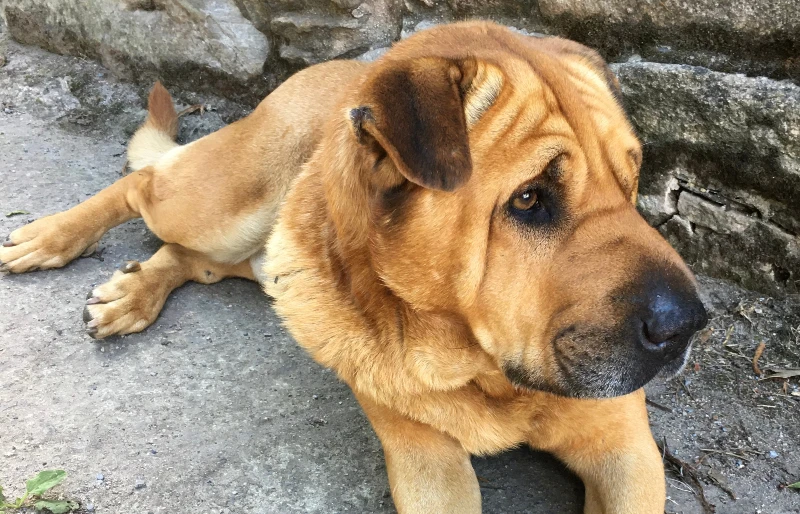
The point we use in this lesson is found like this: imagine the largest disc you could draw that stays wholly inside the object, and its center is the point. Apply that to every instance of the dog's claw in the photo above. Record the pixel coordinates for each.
(8, 244)
(130, 267)
(93, 300)
(3, 267)
(92, 332)
(87, 316)
(90, 250)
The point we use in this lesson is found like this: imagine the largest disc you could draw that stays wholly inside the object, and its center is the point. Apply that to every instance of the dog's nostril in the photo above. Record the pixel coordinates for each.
(670, 321)
(653, 342)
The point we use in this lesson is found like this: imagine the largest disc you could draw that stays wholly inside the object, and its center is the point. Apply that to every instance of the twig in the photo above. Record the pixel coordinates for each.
(709, 450)
(686, 388)
(485, 483)
(741, 311)
(193, 108)
(689, 490)
(685, 470)
(737, 353)
(728, 333)
(658, 405)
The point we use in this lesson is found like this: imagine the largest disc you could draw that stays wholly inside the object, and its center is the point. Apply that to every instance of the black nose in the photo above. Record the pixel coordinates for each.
(674, 313)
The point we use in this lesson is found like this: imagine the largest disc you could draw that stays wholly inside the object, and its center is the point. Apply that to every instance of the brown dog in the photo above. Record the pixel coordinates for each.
(452, 229)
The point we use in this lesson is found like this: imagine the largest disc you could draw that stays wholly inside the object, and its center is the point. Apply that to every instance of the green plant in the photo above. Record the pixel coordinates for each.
(795, 485)
(35, 488)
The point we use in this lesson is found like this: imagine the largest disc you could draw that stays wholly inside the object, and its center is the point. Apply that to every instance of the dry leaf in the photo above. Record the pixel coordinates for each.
(756, 356)
(783, 373)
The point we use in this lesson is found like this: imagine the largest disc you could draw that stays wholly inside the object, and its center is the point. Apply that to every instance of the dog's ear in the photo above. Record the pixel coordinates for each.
(414, 110)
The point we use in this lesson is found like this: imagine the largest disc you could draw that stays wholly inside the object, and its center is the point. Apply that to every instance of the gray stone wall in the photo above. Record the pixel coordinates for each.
(711, 86)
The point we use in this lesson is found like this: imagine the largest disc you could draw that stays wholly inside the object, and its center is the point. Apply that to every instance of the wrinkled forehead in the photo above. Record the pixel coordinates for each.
(531, 126)
(532, 91)
(544, 76)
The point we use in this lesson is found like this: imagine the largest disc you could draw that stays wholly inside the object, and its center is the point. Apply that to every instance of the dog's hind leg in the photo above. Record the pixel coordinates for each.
(134, 296)
(53, 241)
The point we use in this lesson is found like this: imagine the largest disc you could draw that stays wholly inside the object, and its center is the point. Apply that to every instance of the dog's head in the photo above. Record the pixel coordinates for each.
(503, 186)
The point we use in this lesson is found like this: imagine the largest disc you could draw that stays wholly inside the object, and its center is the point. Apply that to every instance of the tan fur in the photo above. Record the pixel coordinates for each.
(156, 136)
(421, 304)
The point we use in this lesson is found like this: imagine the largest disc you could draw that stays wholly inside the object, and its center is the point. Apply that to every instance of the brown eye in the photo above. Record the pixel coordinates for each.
(534, 206)
(525, 201)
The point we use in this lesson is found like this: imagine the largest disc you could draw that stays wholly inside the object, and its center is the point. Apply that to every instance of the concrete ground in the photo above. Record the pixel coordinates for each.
(214, 409)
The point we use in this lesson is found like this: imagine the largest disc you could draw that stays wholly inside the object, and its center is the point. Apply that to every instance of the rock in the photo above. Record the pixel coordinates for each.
(140, 484)
(731, 35)
(314, 31)
(502, 8)
(205, 45)
(372, 54)
(722, 152)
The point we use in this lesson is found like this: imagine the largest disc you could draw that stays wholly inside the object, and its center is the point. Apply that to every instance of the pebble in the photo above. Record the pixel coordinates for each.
(772, 454)
(89, 507)
(140, 484)
(100, 476)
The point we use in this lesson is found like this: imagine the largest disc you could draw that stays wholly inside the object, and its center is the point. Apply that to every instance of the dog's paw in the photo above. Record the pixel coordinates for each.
(50, 242)
(127, 303)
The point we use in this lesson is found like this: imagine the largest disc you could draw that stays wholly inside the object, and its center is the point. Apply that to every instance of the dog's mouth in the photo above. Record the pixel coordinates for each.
(676, 365)
(607, 377)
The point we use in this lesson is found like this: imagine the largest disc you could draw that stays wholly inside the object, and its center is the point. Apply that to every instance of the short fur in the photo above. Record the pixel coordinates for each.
(395, 258)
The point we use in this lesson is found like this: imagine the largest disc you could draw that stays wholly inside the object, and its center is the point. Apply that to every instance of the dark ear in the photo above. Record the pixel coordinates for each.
(414, 111)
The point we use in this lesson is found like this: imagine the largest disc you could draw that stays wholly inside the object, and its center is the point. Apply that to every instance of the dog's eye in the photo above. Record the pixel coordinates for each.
(530, 206)
(526, 200)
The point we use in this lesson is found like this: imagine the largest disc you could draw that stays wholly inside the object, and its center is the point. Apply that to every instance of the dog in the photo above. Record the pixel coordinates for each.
(451, 228)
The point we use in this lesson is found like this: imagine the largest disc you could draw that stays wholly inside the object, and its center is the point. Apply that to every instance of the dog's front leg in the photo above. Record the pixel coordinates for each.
(429, 472)
(608, 443)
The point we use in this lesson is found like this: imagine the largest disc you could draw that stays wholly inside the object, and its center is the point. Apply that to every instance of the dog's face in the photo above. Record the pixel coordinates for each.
(503, 192)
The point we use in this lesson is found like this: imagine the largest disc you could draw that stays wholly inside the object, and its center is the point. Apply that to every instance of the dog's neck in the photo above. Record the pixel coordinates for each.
(331, 202)
(335, 304)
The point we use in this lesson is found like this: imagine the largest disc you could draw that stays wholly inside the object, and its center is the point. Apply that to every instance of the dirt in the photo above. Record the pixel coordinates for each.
(214, 409)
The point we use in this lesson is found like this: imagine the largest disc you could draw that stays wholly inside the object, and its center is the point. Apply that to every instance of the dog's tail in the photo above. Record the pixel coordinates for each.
(157, 135)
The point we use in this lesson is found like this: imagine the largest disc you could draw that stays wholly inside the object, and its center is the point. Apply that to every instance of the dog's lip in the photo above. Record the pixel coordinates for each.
(670, 370)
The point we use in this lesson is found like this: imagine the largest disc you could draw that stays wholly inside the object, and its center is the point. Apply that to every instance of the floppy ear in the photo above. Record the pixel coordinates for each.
(414, 110)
